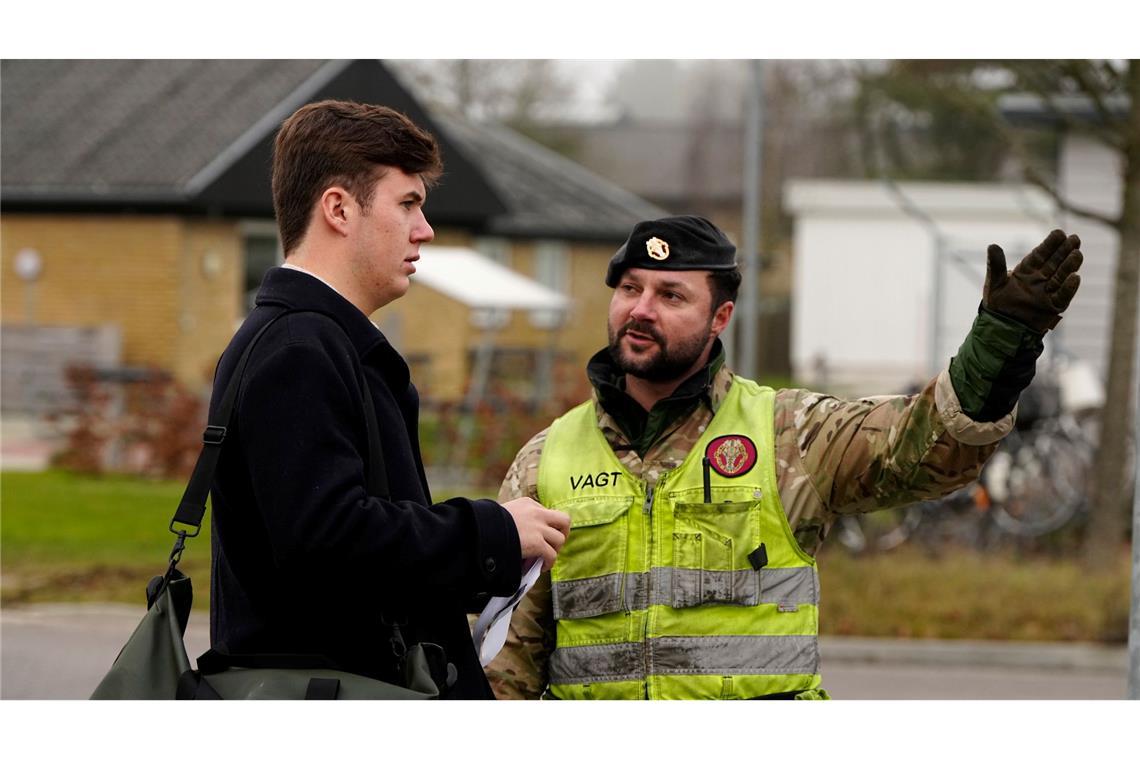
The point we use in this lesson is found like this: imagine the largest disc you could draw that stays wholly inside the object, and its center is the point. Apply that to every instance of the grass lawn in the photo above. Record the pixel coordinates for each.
(964, 594)
(73, 538)
(70, 537)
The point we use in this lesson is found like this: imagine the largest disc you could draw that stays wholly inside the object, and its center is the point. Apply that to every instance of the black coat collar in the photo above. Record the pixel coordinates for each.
(298, 290)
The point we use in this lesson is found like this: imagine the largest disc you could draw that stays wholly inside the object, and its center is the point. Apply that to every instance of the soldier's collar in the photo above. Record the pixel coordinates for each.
(711, 382)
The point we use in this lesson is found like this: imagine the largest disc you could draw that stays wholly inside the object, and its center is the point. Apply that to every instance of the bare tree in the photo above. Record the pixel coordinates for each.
(1099, 99)
(516, 92)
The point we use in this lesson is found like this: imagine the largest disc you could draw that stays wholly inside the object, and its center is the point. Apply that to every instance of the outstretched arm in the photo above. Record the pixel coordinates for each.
(886, 451)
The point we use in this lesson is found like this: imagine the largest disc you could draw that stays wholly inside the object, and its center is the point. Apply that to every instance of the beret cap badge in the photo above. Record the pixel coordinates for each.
(693, 243)
(657, 248)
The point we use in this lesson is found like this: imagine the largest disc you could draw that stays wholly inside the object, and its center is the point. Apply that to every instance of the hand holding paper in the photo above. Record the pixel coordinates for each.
(491, 628)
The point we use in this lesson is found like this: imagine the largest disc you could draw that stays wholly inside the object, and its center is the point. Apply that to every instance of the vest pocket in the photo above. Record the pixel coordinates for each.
(711, 543)
(588, 577)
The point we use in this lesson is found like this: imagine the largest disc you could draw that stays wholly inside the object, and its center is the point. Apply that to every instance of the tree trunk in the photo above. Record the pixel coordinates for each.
(1112, 489)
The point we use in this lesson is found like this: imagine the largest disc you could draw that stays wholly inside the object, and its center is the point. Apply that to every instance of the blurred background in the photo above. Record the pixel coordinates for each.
(137, 224)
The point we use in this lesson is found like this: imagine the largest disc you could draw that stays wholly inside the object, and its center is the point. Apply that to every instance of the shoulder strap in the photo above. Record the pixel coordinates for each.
(192, 508)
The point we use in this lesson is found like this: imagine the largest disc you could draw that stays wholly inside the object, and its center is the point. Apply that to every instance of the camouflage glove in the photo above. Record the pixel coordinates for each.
(1040, 287)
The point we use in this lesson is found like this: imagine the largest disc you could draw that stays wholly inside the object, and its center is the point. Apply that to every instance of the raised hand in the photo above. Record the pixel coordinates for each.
(1040, 287)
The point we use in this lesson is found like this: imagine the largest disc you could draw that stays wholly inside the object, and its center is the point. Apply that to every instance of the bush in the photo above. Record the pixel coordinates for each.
(500, 425)
(130, 421)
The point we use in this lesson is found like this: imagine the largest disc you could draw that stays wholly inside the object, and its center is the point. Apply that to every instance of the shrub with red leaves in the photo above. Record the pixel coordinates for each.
(133, 421)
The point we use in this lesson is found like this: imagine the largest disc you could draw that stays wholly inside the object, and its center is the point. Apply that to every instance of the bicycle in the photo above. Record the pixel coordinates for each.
(1037, 480)
(1035, 483)
(959, 518)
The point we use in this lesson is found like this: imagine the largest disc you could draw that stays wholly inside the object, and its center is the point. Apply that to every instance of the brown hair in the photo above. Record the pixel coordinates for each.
(344, 143)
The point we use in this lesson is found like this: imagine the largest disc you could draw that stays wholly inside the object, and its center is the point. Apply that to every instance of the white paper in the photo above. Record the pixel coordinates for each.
(491, 628)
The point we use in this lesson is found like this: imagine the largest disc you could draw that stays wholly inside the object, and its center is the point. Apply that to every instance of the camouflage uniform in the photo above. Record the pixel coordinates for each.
(833, 457)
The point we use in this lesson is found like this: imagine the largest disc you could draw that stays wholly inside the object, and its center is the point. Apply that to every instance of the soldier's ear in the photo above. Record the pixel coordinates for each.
(721, 317)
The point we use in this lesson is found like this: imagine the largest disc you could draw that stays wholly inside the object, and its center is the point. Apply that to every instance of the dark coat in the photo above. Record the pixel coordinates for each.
(305, 560)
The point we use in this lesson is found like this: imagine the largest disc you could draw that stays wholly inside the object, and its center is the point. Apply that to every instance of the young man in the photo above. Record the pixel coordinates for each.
(305, 559)
(699, 499)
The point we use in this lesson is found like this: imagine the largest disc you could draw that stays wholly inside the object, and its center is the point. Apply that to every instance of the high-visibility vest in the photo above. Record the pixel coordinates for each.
(662, 593)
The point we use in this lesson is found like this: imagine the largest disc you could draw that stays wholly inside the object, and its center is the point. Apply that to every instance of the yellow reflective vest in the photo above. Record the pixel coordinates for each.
(678, 589)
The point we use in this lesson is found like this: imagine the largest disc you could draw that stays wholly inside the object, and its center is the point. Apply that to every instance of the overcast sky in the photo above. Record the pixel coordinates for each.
(586, 28)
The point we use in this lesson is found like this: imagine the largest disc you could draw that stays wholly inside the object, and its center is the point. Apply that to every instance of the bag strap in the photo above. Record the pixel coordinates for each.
(192, 508)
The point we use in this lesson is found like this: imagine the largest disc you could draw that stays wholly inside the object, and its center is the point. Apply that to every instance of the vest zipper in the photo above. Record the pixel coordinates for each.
(647, 509)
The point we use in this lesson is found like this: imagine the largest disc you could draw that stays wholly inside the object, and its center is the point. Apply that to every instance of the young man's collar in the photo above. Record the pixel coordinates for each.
(304, 291)
(294, 267)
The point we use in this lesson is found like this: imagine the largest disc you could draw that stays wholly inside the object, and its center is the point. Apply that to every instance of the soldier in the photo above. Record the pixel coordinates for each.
(699, 499)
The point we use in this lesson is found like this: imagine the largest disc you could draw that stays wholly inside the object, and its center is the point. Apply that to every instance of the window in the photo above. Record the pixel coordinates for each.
(261, 251)
(552, 269)
(496, 249)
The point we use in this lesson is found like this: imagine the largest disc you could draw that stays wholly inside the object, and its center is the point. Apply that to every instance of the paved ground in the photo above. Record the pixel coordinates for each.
(889, 680)
(61, 652)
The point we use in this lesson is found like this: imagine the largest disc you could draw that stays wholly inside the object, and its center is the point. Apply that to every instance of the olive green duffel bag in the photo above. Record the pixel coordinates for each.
(153, 664)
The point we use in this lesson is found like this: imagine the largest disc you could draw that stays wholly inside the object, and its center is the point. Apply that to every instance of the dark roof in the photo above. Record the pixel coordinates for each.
(185, 136)
(195, 136)
(1029, 109)
(547, 193)
(130, 129)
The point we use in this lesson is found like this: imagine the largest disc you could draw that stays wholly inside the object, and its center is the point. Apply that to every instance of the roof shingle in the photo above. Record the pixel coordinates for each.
(152, 131)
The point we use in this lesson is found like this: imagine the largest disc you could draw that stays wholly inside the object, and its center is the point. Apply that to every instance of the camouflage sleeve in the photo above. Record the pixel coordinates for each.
(839, 457)
(519, 671)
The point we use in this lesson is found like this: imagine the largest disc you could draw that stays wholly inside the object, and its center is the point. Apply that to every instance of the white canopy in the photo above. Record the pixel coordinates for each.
(478, 282)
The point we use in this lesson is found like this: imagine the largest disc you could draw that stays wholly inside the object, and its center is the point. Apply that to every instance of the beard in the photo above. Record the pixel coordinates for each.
(672, 360)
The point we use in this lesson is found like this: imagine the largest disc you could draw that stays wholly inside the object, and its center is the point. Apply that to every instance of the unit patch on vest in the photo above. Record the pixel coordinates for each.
(731, 455)
(594, 480)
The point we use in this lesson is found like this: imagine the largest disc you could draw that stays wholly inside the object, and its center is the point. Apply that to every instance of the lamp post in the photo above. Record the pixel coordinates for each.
(1134, 615)
(749, 302)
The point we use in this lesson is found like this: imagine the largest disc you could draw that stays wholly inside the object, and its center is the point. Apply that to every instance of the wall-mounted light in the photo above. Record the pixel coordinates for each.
(29, 264)
(211, 264)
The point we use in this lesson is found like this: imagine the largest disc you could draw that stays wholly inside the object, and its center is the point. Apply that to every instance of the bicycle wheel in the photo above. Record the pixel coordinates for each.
(1040, 484)
(958, 519)
(881, 531)
(849, 533)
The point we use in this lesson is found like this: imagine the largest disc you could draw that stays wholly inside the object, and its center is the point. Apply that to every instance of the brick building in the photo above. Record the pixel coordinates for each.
(143, 189)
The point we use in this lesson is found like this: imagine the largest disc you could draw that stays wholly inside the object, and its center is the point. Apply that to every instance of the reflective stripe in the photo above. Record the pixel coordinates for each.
(683, 587)
(686, 655)
(734, 655)
(589, 596)
(602, 594)
(599, 662)
(789, 585)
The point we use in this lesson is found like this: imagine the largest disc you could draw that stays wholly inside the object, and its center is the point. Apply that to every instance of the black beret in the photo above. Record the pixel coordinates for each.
(675, 242)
